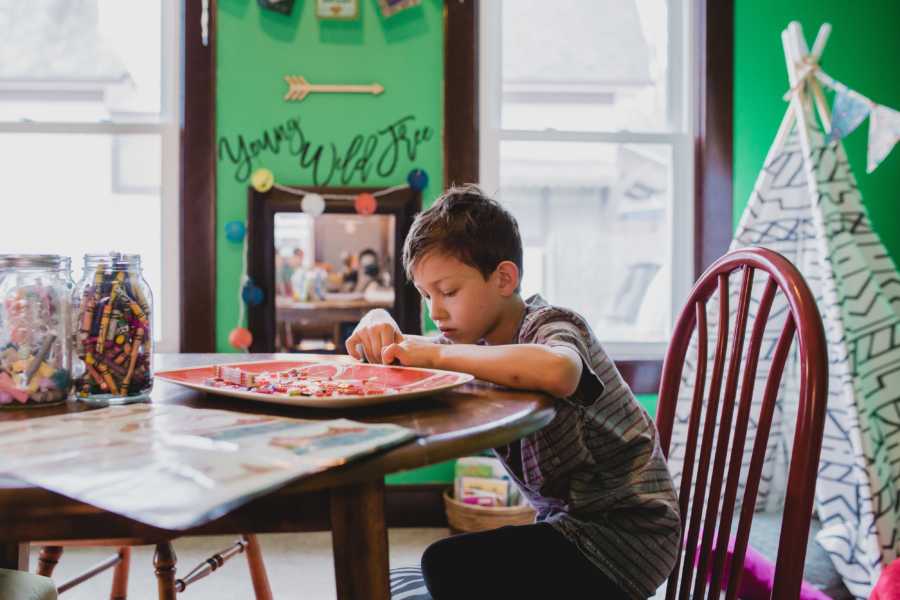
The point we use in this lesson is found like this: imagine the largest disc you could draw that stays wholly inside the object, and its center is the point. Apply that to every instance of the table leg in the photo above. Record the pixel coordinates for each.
(14, 555)
(359, 537)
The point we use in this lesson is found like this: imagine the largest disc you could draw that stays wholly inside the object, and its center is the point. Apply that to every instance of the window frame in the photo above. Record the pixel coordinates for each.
(167, 127)
(680, 120)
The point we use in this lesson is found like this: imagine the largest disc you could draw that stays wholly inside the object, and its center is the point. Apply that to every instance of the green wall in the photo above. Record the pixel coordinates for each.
(257, 48)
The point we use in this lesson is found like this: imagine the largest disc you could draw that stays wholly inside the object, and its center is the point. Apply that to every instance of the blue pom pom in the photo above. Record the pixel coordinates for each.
(417, 179)
(235, 231)
(252, 294)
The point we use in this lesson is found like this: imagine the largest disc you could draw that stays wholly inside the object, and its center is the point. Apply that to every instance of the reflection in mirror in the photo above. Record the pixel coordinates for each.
(329, 271)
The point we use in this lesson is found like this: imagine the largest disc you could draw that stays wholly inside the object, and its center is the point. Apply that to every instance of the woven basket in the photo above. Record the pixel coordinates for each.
(469, 517)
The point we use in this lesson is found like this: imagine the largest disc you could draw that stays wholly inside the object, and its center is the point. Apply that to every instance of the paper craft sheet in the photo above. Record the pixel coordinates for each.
(176, 467)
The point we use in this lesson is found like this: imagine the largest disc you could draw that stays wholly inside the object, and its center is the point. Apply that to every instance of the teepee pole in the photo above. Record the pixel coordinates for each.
(821, 105)
(821, 40)
(817, 49)
(783, 130)
(796, 51)
(791, 114)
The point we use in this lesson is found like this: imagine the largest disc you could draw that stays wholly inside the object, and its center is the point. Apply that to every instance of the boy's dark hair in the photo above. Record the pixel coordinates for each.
(467, 225)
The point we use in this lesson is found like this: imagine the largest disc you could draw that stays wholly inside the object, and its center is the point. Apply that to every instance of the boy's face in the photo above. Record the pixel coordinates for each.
(463, 305)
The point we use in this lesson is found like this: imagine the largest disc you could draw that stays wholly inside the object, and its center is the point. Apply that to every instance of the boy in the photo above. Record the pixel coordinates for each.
(607, 521)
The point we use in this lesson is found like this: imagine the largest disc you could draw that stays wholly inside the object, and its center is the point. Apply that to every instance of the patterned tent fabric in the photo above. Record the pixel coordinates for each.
(806, 206)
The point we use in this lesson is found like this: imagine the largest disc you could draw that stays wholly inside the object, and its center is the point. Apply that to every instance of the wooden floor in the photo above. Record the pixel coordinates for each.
(299, 566)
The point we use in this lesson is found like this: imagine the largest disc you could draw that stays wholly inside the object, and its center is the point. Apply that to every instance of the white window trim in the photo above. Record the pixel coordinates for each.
(167, 126)
(170, 336)
(681, 119)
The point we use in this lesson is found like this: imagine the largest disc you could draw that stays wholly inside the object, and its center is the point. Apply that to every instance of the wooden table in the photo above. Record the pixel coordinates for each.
(348, 500)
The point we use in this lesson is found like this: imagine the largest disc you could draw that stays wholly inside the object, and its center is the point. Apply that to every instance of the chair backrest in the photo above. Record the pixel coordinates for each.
(803, 319)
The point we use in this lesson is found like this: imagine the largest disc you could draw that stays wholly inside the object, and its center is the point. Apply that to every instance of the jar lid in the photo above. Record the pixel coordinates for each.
(33, 261)
(113, 260)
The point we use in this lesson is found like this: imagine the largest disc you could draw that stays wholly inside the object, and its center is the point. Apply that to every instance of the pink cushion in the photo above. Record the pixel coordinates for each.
(888, 586)
(758, 577)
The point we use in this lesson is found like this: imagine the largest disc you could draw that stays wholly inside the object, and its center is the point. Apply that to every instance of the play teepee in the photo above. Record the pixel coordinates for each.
(806, 206)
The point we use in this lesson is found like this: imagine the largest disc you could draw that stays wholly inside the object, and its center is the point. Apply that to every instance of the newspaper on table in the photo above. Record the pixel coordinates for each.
(176, 467)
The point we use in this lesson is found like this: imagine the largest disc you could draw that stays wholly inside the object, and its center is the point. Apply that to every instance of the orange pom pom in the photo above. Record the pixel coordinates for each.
(240, 338)
(365, 203)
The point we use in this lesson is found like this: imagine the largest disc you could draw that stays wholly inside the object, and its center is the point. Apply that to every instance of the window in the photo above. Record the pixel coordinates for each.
(89, 136)
(585, 137)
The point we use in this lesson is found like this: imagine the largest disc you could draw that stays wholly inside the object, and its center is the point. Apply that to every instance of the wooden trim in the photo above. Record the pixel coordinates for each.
(261, 208)
(198, 184)
(643, 376)
(713, 144)
(460, 92)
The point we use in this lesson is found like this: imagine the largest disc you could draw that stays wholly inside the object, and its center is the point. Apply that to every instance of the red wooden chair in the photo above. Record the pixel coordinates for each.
(718, 469)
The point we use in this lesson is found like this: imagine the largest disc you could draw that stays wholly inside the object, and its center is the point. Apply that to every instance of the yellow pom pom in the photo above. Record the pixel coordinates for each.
(262, 180)
(89, 359)
(120, 339)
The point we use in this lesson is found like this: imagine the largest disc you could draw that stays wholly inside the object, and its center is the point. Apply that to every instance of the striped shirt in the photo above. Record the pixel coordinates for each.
(596, 472)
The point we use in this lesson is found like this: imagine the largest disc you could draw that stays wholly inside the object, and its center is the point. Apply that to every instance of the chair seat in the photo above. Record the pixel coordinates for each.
(18, 585)
(407, 583)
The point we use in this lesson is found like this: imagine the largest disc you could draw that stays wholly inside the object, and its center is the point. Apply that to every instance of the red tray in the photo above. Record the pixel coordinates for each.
(384, 383)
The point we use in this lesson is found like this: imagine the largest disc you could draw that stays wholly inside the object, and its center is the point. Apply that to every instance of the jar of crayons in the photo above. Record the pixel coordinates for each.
(35, 330)
(113, 309)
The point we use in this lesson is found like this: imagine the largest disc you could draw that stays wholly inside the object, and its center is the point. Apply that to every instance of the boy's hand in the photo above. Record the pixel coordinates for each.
(412, 353)
(376, 331)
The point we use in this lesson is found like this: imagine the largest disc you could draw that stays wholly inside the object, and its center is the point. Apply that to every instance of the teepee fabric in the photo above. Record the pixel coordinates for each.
(806, 206)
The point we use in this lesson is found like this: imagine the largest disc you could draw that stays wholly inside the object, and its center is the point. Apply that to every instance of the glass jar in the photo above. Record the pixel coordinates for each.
(113, 309)
(35, 330)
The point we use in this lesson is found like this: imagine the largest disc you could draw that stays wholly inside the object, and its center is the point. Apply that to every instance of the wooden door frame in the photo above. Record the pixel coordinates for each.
(197, 189)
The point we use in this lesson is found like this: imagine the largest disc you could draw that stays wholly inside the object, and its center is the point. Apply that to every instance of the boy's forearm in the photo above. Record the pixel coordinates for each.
(522, 366)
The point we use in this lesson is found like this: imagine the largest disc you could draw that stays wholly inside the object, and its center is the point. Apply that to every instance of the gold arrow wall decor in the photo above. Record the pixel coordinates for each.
(299, 88)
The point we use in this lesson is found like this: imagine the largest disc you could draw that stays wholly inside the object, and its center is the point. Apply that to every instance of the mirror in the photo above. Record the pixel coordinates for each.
(321, 274)
(329, 272)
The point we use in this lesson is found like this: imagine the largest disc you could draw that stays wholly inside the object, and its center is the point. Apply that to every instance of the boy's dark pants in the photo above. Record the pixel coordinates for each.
(516, 562)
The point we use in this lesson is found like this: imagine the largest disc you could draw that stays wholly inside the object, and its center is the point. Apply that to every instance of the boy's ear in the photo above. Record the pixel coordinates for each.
(507, 274)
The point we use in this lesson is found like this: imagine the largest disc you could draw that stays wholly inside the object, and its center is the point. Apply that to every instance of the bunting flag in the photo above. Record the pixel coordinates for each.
(849, 110)
(884, 132)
